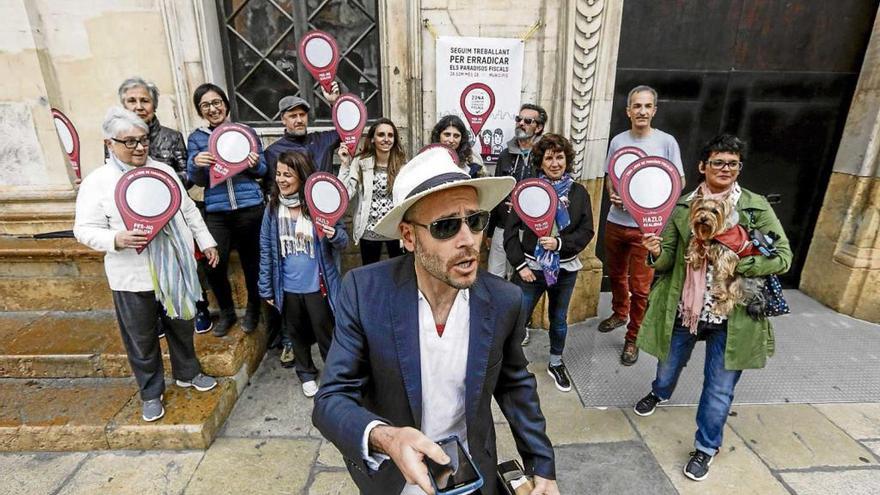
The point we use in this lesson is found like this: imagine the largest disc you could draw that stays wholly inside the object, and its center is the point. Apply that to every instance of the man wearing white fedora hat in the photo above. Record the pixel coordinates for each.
(424, 341)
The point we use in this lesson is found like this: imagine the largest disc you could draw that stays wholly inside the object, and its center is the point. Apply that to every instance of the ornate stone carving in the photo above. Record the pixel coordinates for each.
(588, 16)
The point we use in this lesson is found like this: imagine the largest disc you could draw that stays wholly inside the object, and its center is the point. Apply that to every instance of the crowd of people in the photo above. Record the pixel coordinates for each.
(414, 348)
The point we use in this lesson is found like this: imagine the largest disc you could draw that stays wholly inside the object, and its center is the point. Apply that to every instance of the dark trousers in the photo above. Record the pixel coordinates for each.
(371, 251)
(307, 319)
(558, 298)
(136, 315)
(239, 229)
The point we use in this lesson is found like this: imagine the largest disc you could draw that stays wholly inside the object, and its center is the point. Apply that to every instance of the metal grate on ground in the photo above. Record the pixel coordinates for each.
(821, 356)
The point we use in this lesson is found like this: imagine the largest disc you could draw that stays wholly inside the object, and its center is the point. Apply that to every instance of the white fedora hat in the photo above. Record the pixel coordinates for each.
(431, 171)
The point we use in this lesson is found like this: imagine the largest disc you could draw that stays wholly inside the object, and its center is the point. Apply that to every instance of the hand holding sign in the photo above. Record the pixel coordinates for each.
(350, 118)
(147, 199)
(327, 200)
(319, 54)
(477, 101)
(69, 139)
(230, 144)
(620, 160)
(649, 188)
(534, 201)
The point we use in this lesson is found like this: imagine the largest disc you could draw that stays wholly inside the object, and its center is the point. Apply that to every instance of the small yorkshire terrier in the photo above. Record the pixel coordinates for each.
(709, 219)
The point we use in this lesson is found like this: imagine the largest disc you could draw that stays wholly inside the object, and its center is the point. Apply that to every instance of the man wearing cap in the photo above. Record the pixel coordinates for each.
(424, 341)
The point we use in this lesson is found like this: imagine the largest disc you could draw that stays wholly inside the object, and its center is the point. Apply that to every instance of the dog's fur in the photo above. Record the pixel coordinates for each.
(708, 218)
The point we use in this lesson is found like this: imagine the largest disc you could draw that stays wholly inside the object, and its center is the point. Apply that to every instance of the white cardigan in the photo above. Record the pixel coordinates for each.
(358, 179)
(98, 221)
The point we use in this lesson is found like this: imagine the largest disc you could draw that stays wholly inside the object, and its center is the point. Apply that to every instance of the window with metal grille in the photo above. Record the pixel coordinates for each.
(260, 46)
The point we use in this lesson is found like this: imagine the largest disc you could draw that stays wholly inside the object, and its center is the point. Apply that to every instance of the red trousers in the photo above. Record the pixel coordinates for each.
(629, 274)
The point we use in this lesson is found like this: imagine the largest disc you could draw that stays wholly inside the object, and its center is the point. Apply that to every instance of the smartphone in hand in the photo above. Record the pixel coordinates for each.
(460, 476)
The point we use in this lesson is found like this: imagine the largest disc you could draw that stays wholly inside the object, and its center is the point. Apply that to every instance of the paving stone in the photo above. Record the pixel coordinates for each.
(273, 405)
(852, 482)
(329, 455)
(669, 433)
(874, 445)
(333, 483)
(133, 473)
(796, 436)
(858, 420)
(255, 466)
(24, 474)
(621, 467)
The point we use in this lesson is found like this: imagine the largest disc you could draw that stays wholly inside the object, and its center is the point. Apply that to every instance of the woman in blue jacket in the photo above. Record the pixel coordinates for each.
(234, 208)
(298, 272)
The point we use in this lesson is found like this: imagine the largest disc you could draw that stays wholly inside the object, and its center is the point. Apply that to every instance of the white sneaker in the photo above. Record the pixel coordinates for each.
(310, 388)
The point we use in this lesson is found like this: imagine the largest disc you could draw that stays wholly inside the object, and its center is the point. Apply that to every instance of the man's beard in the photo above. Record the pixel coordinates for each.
(434, 265)
(298, 132)
(520, 133)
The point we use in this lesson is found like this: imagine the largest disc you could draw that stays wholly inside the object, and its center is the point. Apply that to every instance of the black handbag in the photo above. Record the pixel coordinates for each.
(774, 303)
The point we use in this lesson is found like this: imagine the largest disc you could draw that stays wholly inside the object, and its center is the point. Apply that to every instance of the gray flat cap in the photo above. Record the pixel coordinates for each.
(289, 102)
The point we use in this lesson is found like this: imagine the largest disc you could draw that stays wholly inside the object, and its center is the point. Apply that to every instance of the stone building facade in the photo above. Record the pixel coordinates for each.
(72, 55)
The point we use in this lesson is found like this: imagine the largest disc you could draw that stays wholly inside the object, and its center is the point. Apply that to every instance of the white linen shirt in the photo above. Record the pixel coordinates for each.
(98, 221)
(443, 368)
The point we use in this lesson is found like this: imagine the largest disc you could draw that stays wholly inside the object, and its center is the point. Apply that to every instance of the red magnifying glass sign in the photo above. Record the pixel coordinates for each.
(620, 160)
(319, 54)
(649, 189)
(350, 118)
(69, 139)
(327, 200)
(534, 201)
(230, 144)
(477, 101)
(147, 199)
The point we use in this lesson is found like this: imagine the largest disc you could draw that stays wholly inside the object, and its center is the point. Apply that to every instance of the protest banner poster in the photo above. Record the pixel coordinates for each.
(481, 74)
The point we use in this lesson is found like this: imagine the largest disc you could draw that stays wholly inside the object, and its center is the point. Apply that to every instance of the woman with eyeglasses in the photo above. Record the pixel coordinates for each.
(162, 274)
(451, 131)
(234, 210)
(298, 272)
(550, 264)
(369, 178)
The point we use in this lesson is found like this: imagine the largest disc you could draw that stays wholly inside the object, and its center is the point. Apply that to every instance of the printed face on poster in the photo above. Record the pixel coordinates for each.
(481, 80)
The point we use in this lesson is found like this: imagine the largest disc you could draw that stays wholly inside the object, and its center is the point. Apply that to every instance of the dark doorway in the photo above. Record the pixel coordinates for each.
(778, 74)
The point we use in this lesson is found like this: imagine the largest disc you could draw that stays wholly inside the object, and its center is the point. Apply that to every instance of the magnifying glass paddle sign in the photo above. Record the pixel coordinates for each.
(327, 199)
(319, 54)
(69, 139)
(147, 199)
(230, 144)
(620, 160)
(535, 201)
(649, 189)
(349, 118)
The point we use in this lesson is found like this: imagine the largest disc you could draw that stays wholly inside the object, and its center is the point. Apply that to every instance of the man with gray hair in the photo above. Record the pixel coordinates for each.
(166, 145)
(625, 257)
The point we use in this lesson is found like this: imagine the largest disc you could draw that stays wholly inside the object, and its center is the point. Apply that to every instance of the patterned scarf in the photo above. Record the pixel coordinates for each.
(549, 260)
(296, 236)
(173, 268)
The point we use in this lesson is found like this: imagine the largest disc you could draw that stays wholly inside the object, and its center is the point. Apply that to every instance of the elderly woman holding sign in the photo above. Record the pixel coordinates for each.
(234, 208)
(550, 264)
(298, 272)
(163, 272)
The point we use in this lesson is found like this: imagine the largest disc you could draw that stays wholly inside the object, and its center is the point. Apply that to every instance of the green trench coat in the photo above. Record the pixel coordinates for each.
(749, 342)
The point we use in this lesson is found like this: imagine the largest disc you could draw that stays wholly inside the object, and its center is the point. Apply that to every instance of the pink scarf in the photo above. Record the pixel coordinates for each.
(694, 292)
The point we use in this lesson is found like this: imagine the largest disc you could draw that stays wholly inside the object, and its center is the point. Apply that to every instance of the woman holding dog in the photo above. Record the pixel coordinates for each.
(685, 304)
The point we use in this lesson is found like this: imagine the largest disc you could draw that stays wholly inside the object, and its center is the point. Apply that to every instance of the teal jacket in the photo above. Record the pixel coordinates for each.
(749, 342)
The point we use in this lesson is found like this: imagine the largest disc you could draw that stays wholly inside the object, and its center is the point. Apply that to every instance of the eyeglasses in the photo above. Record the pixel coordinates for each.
(446, 228)
(721, 164)
(132, 143)
(527, 120)
(205, 105)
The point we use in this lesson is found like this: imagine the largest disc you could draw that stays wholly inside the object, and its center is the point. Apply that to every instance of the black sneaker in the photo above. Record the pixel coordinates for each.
(560, 377)
(251, 318)
(225, 322)
(647, 405)
(697, 468)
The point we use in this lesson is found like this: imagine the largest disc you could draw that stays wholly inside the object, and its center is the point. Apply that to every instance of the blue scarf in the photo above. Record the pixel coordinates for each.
(549, 260)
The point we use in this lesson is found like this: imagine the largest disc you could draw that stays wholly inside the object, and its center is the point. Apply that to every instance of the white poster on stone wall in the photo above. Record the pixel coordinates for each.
(480, 79)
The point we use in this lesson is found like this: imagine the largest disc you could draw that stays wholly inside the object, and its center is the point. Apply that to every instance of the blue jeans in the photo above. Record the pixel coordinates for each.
(718, 383)
(559, 295)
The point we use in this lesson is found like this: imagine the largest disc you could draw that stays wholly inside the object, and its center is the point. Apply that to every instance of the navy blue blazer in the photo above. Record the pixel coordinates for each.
(373, 372)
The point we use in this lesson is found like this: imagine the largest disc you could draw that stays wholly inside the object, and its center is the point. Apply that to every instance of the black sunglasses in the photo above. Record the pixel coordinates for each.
(527, 120)
(446, 228)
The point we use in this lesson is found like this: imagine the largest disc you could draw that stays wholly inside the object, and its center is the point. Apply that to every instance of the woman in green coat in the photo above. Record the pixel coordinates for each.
(735, 341)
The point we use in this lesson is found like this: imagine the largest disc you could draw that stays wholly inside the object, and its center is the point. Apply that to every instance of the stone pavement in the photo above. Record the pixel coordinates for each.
(268, 445)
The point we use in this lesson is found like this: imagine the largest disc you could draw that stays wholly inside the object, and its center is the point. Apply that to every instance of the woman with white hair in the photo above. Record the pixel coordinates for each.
(164, 272)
